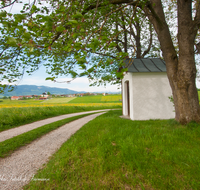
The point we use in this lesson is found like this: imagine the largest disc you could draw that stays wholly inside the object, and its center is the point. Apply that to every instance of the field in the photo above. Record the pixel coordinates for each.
(109, 152)
(18, 112)
(99, 100)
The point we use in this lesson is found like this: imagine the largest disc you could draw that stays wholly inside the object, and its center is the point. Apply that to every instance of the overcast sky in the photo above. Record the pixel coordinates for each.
(79, 84)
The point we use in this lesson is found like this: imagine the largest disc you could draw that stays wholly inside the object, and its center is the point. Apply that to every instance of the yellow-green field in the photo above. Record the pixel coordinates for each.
(111, 98)
(98, 100)
(58, 100)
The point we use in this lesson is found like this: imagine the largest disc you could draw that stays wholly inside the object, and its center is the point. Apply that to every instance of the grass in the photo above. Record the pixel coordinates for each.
(58, 100)
(199, 94)
(87, 99)
(13, 117)
(112, 100)
(97, 99)
(113, 153)
(8, 146)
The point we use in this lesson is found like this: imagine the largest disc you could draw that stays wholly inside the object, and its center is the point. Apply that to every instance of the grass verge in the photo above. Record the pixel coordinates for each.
(113, 153)
(13, 117)
(9, 145)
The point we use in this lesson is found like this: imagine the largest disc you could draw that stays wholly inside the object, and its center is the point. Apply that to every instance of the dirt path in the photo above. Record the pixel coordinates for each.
(4, 135)
(18, 169)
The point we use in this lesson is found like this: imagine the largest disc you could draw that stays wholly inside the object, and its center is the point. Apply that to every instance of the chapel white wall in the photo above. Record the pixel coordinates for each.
(149, 94)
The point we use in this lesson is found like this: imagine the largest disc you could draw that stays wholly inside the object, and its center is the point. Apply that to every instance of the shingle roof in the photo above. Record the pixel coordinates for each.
(145, 65)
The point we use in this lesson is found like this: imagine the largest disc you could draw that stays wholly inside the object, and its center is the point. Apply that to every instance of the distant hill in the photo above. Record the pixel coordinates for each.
(37, 90)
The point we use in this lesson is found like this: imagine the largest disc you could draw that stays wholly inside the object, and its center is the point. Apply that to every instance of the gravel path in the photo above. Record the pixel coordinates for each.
(18, 169)
(4, 135)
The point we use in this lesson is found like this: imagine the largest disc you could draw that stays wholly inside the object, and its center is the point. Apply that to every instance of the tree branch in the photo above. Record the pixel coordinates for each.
(8, 4)
(105, 55)
(114, 2)
(150, 41)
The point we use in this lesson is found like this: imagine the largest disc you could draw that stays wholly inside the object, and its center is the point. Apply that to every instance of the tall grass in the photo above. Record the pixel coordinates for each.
(113, 153)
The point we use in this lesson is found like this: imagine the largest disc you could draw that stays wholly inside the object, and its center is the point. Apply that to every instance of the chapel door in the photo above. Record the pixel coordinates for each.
(127, 98)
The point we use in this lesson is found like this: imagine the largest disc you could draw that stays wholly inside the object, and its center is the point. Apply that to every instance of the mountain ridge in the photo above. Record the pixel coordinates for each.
(21, 90)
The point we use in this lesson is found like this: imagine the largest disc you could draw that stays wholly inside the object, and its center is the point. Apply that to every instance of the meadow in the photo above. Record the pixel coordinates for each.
(114, 153)
(98, 100)
(108, 152)
(14, 113)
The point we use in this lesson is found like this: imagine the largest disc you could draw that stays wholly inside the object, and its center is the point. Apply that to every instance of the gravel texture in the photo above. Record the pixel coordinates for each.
(4, 135)
(19, 168)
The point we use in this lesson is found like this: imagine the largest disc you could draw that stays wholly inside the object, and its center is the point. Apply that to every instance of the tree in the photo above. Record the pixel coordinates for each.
(86, 34)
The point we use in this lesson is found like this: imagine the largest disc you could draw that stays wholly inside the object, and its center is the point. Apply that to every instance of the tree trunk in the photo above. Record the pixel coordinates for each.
(181, 71)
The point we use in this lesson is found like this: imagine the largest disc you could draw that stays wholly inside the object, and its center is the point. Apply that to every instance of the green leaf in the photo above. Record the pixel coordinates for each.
(31, 49)
(60, 28)
(19, 17)
(81, 61)
(11, 41)
(94, 44)
(50, 78)
(73, 22)
(74, 74)
(3, 14)
(112, 44)
(27, 36)
(83, 74)
(77, 15)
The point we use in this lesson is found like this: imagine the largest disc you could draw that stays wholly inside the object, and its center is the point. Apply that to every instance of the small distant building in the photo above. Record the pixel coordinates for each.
(146, 90)
(42, 98)
(14, 97)
(29, 96)
(44, 94)
(20, 97)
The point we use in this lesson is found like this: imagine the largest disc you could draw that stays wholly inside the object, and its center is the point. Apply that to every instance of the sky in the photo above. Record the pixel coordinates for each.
(79, 84)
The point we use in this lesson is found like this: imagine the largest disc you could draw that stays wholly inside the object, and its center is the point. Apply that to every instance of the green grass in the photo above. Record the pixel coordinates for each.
(97, 99)
(19, 102)
(111, 98)
(58, 100)
(113, 153)
(13, 117)
(87, 99)
(199, 94)
(8, 146)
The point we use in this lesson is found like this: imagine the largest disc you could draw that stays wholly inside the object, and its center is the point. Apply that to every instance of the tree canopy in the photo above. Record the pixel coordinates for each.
(70, 35)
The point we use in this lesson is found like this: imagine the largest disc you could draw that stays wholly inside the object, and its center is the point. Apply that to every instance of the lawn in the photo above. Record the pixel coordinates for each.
(113, 153)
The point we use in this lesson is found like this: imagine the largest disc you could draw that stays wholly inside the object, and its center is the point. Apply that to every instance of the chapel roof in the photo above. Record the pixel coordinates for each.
(145, 65)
